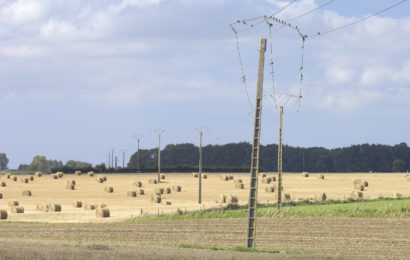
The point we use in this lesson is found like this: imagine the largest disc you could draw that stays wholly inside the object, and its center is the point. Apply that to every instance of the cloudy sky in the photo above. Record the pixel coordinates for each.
(79, 78)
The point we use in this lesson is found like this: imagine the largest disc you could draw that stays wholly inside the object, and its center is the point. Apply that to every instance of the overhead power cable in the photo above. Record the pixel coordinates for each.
(358, 21)
(311, 11)
(283, 8)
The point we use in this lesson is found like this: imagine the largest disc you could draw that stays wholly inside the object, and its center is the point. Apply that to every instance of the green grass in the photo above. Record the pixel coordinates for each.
(235, 249)
(380, 208)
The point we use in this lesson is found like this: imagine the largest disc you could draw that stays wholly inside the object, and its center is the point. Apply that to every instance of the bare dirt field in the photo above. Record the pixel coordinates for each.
(47, 190)
(294, 238)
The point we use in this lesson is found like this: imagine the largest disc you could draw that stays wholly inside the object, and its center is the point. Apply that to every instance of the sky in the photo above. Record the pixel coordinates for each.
(80, 78)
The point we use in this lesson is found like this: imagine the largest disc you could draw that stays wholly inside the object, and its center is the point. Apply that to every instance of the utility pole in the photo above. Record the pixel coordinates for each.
(123, 159)
(200, 170)
(159, 132)
(253, 187)
(116, 161)
(109, 159)
(138, 137)
(112, 158)
(280, 161)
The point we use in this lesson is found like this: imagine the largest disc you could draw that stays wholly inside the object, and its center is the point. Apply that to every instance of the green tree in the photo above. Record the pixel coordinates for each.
(78, 165)
(3, 161)
(399, 165)
(101, 167)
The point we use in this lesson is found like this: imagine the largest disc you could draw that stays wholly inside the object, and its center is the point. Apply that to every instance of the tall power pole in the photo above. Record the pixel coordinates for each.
(200, 170)
(280, 160)
(138, 137)
(116, 162)
(159, 132)
(112, 158)
(253, 187)
(109, 160)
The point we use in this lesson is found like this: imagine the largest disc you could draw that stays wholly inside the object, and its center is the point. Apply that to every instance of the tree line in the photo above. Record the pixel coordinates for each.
(355, 158)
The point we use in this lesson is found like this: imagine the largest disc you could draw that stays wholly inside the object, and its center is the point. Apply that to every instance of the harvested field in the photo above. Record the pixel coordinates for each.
(294, 236)
(87, 190)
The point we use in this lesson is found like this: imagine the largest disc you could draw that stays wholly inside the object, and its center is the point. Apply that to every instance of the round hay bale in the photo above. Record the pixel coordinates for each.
(14, 178)
(287, 197)
(89, 206)
(359, 187)
(90, 174)
(103, 213)
(70, 182)
(239, 185)
(222, 198)
(31, 178)
(26, 193)
(195, 175)
(104, 178)
(237, 181)
(13, 203)
(77, 173)
(109, 189)
(41, 207)
(270, 189)
(155, 198)
(24, 180)
(153, 181)
(356, 195)
(138, 184)
(162, 176)
(159, 191)
(267, 180)
(140, 192)
(357, 181)
(54, 176)
(38, 174)
(3, 214)
(273, 178)
(365, 184)
(77, 204)
(100, 205)
(1, 196)
(321, 177)
(17, 209)
(204, 176)
(8, 176)
(60, 174)
(53, 207)
(230, 176)
(131, 194)
(166, 202)
(100, 179)
(2, 184)
(305, 174)
(231, 199)
(176, 188)
(167, 190)
(263, 175)
(224, 177)
(70, 187)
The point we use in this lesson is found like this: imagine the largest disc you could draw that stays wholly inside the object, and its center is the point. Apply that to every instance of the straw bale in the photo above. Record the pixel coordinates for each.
(162, 176)
(38, 174)
(41, 207)
(204, 176)
(305, 174)
(287, 197)
(53, 207)
(100, 205)
(17, 209)
(195, 175)
(230, 176)
(60, 174)
(70, 182)
(166, 202)
(365, 183)
(78, 173)
(224, 177)
(321, 177)
(7, 176)
(239, 185)
(140, 191)
(102, 213)
(155, 198)
(323, 197)
(24, 180)
(176, 188)
(231, 199)
(104, 178)
(109, 189)
(267, 180)
(263, 175)
(159, 191)
(1, 196)
(270, 189)
(237, 181)
(222, 198)
(273, 178)
(77, 204)
(89, 206)
(153, 181)
(167, 190)
(90, 174)
(13, 203)
(26, 193)
(359, 187)
(54, 176)
(70, 187)
(132, 194)
(100, 179)
(3, 214)
(138, 184)
(2, 184)
(356, 195)
(14, 178)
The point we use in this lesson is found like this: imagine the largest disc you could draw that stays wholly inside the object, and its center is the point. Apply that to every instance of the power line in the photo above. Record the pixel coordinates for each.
(311, 11)
(358, 21)
(283, 8)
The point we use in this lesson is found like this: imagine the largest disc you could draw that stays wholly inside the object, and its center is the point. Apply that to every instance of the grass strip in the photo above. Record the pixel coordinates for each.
(234, 249)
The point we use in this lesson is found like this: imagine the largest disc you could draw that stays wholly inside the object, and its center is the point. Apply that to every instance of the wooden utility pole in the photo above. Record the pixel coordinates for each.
(253, 187)
(159, 132)
(280, 161)
(138, 156)
(200, 170)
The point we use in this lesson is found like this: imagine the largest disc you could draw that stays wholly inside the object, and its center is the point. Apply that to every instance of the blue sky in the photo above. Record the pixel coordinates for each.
(80, 78)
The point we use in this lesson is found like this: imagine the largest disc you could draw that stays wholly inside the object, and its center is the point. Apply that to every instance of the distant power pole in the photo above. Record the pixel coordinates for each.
(109, 160)
(159, 132)
(123, 159)
(138, 137)
(200, 169)
(280, 161)
(112, 158)
(116, 161)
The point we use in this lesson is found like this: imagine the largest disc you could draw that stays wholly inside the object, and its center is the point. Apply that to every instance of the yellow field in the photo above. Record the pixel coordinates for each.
(47, 190)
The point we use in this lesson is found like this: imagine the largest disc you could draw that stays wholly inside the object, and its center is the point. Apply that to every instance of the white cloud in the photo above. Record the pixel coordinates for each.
(337, 75)
(21, 11)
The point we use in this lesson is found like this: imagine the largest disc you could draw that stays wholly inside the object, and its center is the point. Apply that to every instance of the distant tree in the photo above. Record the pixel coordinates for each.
(399, 165)
(3, 161)
(101, 167)
(39, 163)
(78, 165)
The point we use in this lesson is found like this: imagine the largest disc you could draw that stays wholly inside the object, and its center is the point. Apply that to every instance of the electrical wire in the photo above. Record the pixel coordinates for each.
(311, 11)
